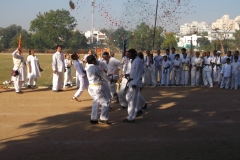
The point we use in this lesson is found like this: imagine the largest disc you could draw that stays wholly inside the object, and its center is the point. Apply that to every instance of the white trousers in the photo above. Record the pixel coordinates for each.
(77, 80)
(175, 76)
(165, 77)
(18, 86)
(207, 76)
(195, 74)
(57, 81)
(141, 102)
(148, 76)
(235, 80)
(122, 93)
(83, 85)
(67, 77)
(157, 73)
(217, 75)
(113, 91)
(185, 77)
(132, 98)
(99, 98)
(32, 78)
(225, 82)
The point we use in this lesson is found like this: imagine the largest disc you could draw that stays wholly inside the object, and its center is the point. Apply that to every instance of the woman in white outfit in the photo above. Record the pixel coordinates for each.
(19, 65)
(68, 73)
(34, 68)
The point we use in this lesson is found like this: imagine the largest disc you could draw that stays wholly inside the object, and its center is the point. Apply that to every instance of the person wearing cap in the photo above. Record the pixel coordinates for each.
(82, 77)
(235, 73)
(157, 61)
(95, 77)
(217, 66)
(176, 68)
(196, 62)
(166, 67)
(113, 65)
(185, 70)
(226, 73)
(207, 70)
(58, 67)
(134, 85)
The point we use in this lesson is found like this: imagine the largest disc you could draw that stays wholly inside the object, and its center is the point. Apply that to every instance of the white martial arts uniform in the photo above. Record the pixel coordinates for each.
(123, 88)
(157, 61)
(226, 73)
(225, 57)
(176, 71)
(217, 67)
(20, 65)
(32, 61)
(185, 71)
(113, 64)
(58, 65)
(96, 90)
(207, 71)
(82, 77)
(235, 73)
(77, 80)
(68, 73)
(147, 71)
(195, 72)
(132, 95)
(166, 67)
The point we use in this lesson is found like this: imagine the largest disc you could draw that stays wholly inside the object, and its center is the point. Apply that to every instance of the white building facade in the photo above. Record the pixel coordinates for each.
(191, 28)
(97, 35)
(225, 23)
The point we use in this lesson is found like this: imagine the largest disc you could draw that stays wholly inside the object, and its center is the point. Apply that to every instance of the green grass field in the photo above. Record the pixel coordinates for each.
(45, 61)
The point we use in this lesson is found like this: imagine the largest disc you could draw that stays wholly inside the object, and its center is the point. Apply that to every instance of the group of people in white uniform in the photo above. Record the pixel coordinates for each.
(174, 69)
(28, 70)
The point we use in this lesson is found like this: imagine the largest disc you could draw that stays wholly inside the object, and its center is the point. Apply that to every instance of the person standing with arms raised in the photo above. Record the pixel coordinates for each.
(58, 67)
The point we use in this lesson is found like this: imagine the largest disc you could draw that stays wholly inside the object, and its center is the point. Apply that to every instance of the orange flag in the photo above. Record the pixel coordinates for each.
(20, 41)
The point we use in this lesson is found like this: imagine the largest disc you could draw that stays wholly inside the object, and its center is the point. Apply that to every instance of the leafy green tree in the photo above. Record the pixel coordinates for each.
(77, 41)
(169, 41)
(26, 39)
(237, 38)
(53, 27)
(6, 35)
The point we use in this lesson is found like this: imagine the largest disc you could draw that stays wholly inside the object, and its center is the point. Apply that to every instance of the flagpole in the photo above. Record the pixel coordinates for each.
(154, 32)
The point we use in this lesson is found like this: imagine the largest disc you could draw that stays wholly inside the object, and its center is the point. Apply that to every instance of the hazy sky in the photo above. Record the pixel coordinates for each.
(22, 12)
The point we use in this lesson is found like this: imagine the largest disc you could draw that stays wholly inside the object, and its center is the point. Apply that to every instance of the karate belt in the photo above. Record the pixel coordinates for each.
(129, 80)
(165, 70)
(113, 77)
(95, 84)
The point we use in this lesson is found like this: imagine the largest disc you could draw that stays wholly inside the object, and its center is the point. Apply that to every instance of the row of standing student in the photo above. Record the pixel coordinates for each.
(180, 69)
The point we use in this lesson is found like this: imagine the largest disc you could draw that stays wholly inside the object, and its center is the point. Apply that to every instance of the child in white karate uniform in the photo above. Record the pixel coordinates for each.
(226, 74)
(176, 70)
(166, 67)
(235, 73)
(185, 69)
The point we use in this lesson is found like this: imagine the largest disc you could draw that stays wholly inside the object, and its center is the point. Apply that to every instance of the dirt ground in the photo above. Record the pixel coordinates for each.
(180, 123)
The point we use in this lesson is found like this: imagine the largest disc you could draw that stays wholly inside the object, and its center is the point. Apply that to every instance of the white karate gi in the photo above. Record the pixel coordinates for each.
(235, 73)
(207, 71)
(217, 67)
(132, 95)
(113, 64)
(68, 73)
(148, 69)
(83, 81)
(176, 71)
(195, 72)
(96, 90)
(123, 88)
(185, 71)
(20, 65)
(35, 70)
(157, 61)
(166, 67)
(77, 80)
(58, 65)
(226, 72)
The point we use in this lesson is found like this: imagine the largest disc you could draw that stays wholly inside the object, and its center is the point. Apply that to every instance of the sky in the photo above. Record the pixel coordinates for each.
(111, 13)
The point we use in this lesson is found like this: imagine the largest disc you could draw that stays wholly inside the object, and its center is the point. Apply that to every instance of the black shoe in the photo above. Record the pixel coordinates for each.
(128, 121)
(123, 107)
(104, 121)
(93, 121)
(29, 86)
(145, 106)
(139, 113)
